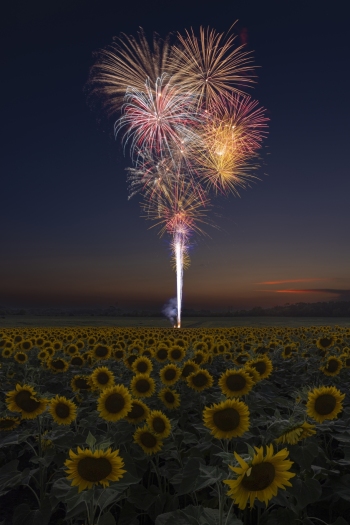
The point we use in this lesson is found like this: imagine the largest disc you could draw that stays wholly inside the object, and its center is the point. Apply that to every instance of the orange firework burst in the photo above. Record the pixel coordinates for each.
(229, 140)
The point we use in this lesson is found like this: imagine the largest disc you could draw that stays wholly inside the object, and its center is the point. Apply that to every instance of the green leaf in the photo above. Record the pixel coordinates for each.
(90, 440)
(24, 515)
(340, 521)
(196, 475)
(141, 497)
(194, 516)
(305, 492)
(107, 519)
(304, 454)
(285, 516)
(10, 477)
(341, 487)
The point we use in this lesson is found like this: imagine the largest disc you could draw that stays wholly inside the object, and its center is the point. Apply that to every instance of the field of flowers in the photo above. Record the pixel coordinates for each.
(138, 426)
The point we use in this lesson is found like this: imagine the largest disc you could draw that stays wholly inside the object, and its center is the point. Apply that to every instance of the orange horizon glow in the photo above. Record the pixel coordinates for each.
(293, 281)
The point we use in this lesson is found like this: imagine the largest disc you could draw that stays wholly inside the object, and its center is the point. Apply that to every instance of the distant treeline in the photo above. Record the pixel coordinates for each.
(325, 309)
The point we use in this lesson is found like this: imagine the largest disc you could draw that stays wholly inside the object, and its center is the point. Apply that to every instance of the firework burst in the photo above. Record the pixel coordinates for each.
(189, 126)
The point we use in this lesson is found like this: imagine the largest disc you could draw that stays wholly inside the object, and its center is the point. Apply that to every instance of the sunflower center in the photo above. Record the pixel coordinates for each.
(235, 382)
(102, 378)
(119, 353)
(227, 419)
(187, 370)
(148, 440)
(136, 411)
(162, 354)
(21, 357)
(101, 351)
(332, 365)
(26, 402)
(325, 342)
(169, 397)
(94, 469)
(6, 423)
(199, 379)
(170, 374)
(77, 361)
(261, 477)
(131, 359)
(260, 367)
(198, 359)
(158, 425)
(176, 354)
(114, 403)
(142, 367)
(62, 410)
(142, 385)
(58, 364)
(325, 404)
(82, 383)
(241, 359)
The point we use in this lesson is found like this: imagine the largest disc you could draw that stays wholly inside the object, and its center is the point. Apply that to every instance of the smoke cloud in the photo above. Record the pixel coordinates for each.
(170, 310)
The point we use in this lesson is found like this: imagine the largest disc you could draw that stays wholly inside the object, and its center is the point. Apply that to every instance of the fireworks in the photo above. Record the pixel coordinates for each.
(189, 126)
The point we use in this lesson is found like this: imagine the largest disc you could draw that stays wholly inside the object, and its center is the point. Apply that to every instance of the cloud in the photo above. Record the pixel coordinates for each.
(340, 294)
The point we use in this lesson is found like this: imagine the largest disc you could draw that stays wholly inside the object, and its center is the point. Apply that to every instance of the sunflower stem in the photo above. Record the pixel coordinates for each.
(229, 512)
(41, 467)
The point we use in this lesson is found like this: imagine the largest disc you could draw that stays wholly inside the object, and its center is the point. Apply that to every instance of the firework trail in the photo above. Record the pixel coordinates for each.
(190, 127)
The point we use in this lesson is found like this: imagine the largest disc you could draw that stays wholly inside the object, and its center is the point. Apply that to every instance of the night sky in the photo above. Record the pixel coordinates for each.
(69, 236)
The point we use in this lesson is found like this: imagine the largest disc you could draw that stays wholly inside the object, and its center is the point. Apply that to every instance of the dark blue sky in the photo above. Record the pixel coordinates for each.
(68, 233)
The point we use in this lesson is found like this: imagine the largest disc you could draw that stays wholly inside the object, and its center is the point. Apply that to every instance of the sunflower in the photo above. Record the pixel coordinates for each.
(200, 380)
(161, 354)
(170, 398)
(241, 359)
(235, 383)
(26, 345)
(102, 378)
(77, 360)
(138, 412)
(100, 351)
(188, 368)
(57, 365)
(87, 468)
(325, 342)
(292, 435)
(8, 423)
(142, 385)
(129, 360)
(43, 354)
(332, 367)
(158, 423)
(142, 365)
(170, 374)
(23, 400)
(261, 477)
(62, 410)
(227, 419)
(262, 365)
(7, 352)
(200, 357)
(21, 357)
(114, 403)
(176, 353)
(80, 382)
(324, 402)
(149, 442)
(119, 354)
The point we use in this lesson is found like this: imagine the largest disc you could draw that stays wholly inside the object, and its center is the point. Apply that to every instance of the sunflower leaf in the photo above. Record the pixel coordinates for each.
(90, 440)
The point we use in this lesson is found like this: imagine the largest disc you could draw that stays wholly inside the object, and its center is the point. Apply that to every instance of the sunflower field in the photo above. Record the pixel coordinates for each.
(207, 426)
